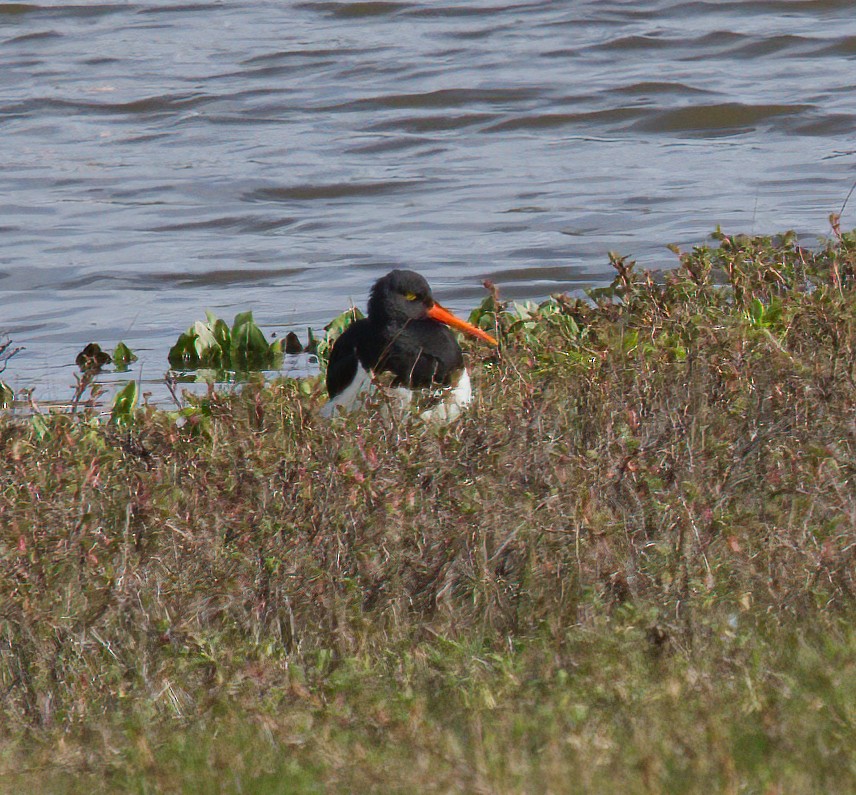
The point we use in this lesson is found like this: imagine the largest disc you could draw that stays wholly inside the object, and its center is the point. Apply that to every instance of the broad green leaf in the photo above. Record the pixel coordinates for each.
(123, 356)
(183, 354)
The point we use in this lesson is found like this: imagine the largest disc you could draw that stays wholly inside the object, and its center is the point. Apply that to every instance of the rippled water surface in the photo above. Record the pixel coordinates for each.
(163, 158)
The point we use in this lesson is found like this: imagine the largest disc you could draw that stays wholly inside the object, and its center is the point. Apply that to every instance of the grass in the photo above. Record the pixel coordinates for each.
(630, 567)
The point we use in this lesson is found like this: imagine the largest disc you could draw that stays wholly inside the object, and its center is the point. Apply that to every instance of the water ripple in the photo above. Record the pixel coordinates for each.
(356, 10)
(342, 190)
(714, 119)
(161, 158)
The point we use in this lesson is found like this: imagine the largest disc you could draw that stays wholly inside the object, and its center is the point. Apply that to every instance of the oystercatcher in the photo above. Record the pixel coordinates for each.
(406, 334)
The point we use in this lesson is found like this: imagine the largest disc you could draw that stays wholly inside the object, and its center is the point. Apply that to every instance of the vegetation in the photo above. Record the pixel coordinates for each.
(213, 348)
(6, 352)
(629, 568)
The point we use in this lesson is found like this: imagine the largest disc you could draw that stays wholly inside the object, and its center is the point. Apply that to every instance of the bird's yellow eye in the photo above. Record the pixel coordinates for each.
(411, 296)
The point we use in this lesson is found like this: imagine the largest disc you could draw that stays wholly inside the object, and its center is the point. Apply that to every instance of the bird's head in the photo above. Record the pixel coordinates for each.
(402, 296)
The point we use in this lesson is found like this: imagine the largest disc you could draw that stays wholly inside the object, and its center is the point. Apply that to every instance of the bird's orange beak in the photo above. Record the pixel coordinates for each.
(437, 312)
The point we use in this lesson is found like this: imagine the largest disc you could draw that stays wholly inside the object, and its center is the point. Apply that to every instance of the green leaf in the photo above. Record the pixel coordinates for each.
(250, 350)
(40, 427)
(333, 330)
(221, 332)
(123, 356)
(6, 395)
(183, 355)
(339, 323)
(756, 312)
(125, 404)
(206, 344)
(630, 340)
(773, 313)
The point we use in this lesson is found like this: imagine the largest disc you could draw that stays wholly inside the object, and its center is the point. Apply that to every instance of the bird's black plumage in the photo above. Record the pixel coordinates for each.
(399, 337)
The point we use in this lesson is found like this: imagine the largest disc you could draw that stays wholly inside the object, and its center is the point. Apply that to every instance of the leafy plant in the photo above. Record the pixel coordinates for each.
(211, 344)
(321, 346)
(125, 404)
(489, 313)
(7, 395)
(91, 359)
(762, 315)
(122, 357)
(525, 321)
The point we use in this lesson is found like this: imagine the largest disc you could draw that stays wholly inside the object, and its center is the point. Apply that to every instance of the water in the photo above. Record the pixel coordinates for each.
(160, 159)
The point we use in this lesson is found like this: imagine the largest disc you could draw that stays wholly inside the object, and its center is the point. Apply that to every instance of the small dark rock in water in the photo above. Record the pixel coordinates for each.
(292, 343)
(92, 358)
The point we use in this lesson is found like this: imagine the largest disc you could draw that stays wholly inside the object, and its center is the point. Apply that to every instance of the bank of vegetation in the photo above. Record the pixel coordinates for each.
(629, 568)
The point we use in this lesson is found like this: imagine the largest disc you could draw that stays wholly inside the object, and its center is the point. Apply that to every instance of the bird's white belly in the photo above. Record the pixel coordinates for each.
(351, 396)
(451, 400)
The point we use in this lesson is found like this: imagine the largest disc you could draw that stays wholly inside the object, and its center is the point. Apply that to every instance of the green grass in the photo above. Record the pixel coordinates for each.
(630, 568)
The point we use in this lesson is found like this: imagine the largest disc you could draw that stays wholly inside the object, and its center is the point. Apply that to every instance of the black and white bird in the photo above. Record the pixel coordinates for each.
(407, 333)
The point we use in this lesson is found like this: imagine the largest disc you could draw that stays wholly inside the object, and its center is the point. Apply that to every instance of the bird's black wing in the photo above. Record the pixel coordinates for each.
(344, 358)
